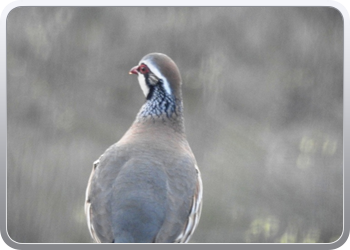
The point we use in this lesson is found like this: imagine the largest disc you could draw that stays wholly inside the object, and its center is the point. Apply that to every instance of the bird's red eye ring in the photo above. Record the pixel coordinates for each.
(143, 69)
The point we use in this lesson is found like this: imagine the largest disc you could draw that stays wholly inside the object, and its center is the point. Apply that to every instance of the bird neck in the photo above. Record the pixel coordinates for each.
(162, 107)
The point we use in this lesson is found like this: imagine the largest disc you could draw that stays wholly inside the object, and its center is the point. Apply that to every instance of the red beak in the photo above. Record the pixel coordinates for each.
(134, 71)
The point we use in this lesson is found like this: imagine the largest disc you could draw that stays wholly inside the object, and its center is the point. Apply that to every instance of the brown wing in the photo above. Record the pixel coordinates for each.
(88, 204)
(195, 212)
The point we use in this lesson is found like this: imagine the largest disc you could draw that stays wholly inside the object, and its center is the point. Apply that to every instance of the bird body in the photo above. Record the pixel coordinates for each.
(147, 187)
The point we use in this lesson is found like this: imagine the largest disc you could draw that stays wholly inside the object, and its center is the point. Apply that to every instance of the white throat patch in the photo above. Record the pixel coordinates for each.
(143, 85)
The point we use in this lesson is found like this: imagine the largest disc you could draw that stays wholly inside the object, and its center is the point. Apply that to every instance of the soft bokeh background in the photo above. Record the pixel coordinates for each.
(263, 96)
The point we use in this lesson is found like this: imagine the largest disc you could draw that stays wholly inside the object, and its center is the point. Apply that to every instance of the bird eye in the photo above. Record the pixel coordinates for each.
(143, 69)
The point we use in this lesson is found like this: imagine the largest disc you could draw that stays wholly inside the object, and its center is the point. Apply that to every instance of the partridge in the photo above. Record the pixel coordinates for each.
(147, 188)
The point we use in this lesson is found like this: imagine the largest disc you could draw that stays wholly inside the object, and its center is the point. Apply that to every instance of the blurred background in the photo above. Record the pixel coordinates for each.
(263, 99)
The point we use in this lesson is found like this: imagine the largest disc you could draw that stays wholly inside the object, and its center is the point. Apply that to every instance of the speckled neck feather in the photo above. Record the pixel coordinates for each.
(163, 107)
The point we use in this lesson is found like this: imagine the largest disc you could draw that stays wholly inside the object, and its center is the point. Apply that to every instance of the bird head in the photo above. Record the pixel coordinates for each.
(157, 70)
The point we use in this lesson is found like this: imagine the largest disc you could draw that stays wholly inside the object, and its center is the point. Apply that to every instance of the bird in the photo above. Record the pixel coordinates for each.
(147, 187)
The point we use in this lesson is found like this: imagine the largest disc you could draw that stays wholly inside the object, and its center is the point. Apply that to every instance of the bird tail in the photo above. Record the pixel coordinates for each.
(124, 237)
